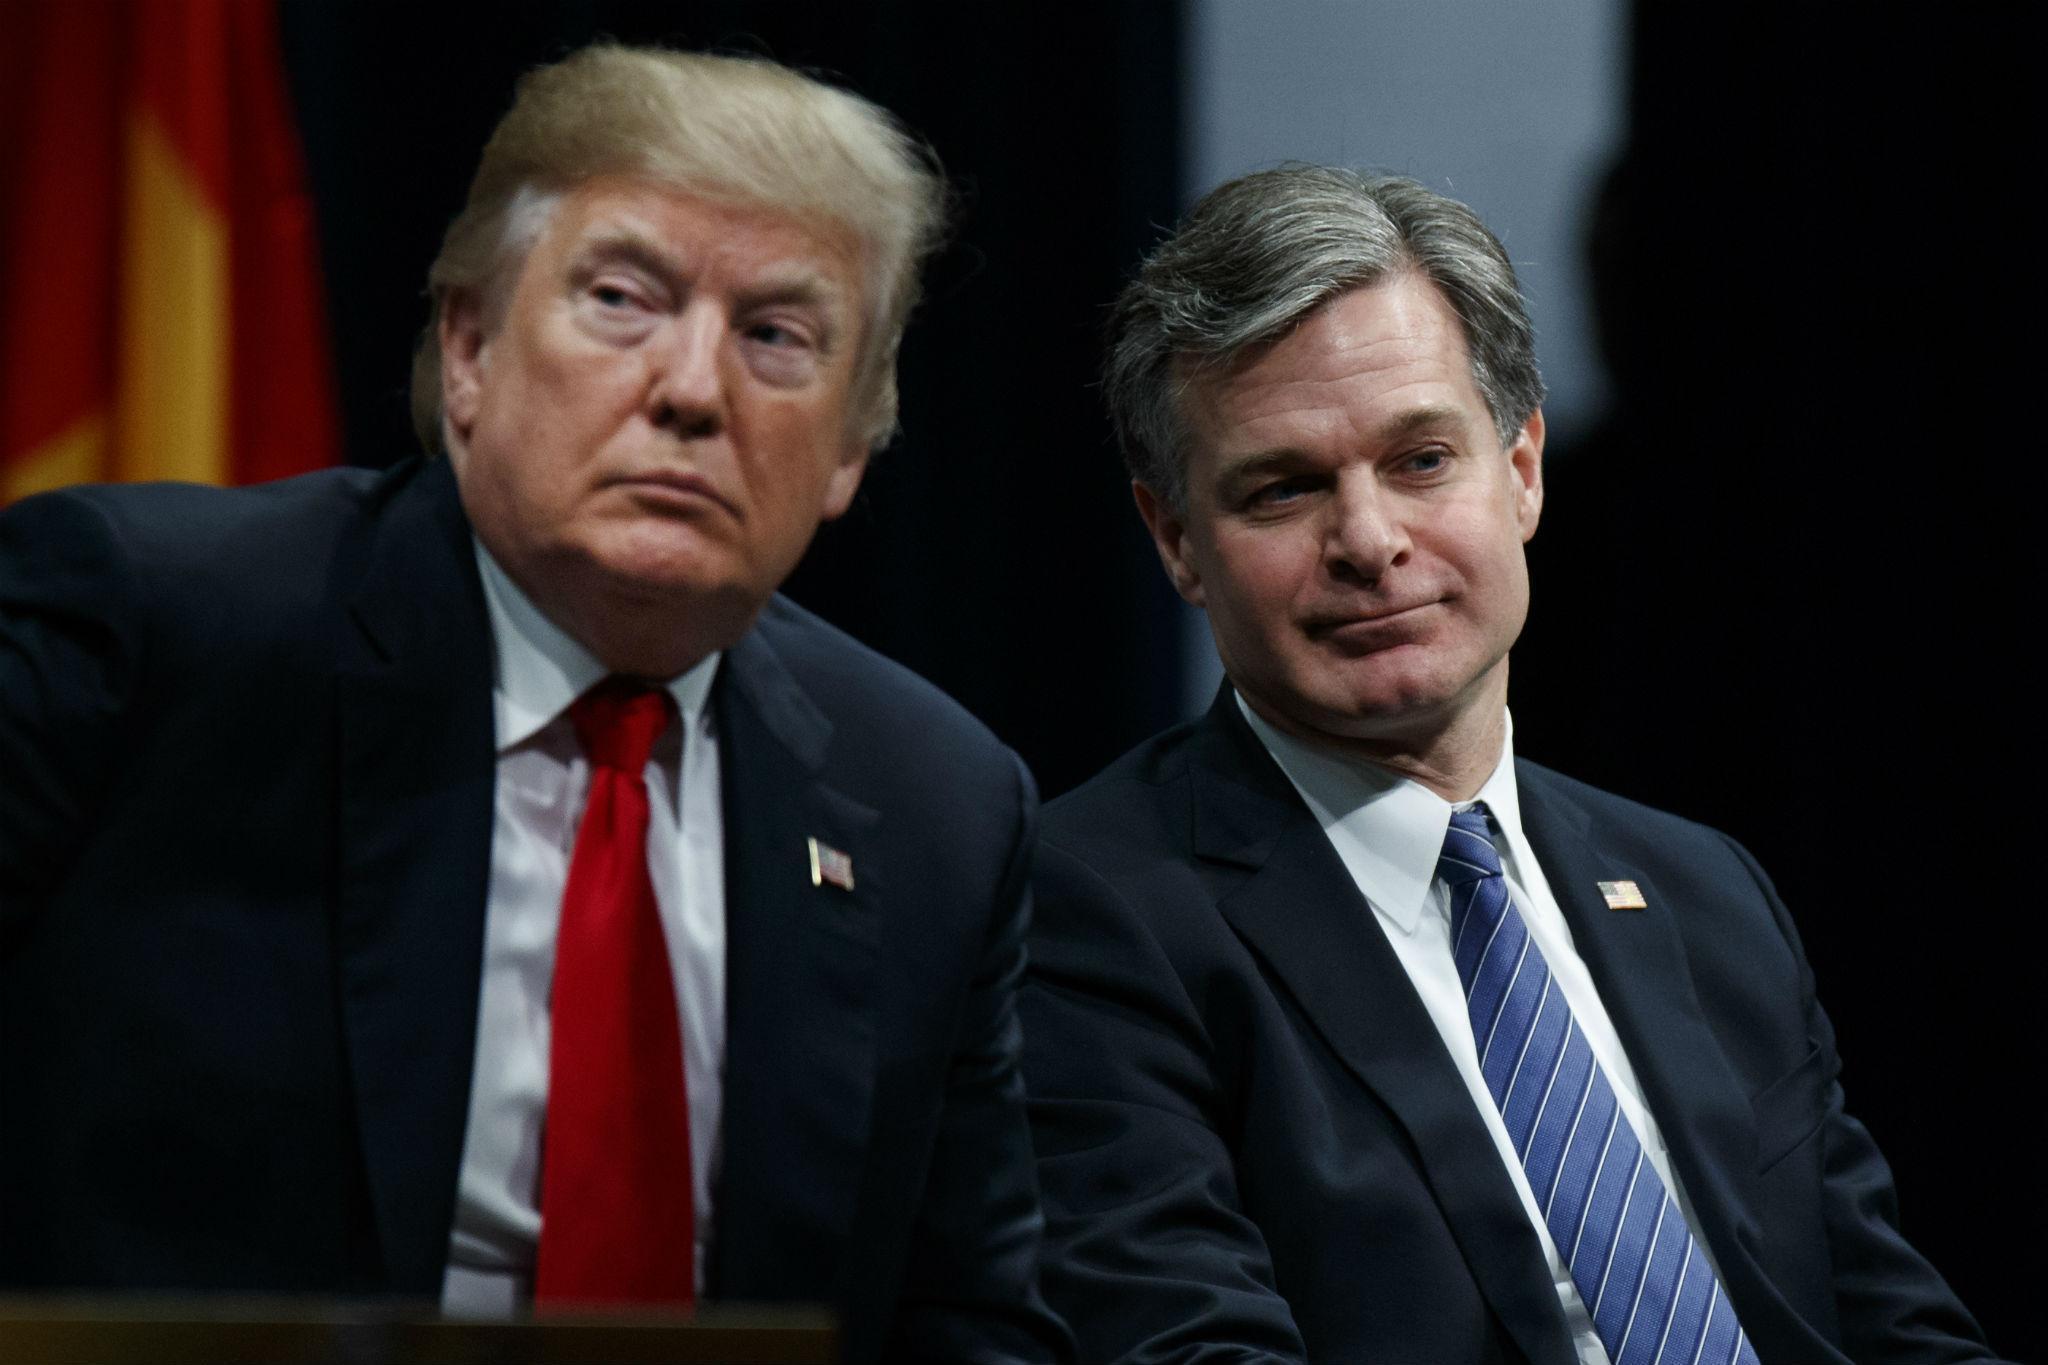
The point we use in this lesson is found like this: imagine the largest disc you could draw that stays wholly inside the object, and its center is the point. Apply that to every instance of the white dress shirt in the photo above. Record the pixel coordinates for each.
(1389, 832)
(542, 779)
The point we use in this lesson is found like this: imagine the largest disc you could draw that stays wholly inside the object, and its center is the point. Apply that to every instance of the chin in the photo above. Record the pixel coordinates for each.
(653, 605)
(664, 559)
(1384, 708)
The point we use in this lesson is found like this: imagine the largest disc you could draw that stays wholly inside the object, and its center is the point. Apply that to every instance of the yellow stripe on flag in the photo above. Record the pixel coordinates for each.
(77, 455)
(171, 394)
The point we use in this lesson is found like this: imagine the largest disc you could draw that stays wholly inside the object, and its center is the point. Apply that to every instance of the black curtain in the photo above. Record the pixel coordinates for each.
(1790, 587)
(993, 548)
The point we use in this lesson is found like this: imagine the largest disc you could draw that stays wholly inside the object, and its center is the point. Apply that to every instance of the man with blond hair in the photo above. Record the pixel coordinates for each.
(472, 881)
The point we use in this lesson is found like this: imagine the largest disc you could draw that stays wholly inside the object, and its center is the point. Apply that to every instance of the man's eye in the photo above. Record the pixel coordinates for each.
(611, 295)
(1427, 461)
(775, 334)
(1279, 491)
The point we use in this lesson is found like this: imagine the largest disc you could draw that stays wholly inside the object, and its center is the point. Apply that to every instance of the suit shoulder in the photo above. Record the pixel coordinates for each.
(1139, 801)
(875, 703)
(193, 576)
(1617, 821)
(191, 533)
(1533, 780)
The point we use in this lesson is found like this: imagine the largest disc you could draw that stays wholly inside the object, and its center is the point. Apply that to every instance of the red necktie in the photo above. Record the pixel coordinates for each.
(617, 1218)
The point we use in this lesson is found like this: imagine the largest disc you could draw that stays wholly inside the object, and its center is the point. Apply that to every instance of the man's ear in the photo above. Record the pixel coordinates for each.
(1170, 537)
(844, 481)
(1525, 459)
(461, 336)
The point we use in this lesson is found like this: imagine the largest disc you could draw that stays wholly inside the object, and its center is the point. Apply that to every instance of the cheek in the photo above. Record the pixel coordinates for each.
(504, 493)
(1481, 544)
(552, 376)
(1495, 579)
(783, 436)
(1265, 574)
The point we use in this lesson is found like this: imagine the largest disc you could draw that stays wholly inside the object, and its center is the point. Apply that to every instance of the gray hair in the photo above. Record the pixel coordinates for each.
(735, 130)
(1259, 253)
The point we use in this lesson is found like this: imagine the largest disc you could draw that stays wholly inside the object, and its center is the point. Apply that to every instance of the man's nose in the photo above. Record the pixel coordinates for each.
(1366, 536)
(686, 378)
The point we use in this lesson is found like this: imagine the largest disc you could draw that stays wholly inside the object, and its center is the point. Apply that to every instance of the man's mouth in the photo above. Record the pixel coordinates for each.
(675, 487)
(1372, 629)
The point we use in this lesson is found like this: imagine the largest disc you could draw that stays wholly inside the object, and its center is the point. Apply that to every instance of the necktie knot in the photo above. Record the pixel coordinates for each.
(618, 721)
(1468, 853)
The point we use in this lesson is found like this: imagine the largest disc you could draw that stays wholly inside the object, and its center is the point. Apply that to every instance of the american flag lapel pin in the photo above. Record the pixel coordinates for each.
(1622, 896)
(828, 864)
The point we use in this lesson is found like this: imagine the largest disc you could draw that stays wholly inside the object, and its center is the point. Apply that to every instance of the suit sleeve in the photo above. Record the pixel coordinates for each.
(1893, 1306)
(1149, 1254)
(70, 651)
(974, 1266)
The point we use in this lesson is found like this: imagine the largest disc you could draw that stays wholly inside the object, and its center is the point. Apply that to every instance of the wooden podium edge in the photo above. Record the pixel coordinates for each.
(145, 1330)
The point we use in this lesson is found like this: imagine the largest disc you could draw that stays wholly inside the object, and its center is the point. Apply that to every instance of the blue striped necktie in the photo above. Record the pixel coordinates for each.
(1652, 1295)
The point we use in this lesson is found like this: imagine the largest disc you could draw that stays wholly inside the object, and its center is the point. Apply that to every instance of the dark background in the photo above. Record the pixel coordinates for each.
(1786, 587)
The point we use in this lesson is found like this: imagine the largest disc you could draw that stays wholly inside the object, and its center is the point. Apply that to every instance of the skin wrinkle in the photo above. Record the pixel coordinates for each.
(632, 245)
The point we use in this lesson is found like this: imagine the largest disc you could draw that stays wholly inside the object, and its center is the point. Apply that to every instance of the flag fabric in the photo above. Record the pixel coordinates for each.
(160, 304)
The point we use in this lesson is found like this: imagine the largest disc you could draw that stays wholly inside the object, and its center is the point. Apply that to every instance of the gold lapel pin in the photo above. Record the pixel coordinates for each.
(1622, 895)
(828, 864)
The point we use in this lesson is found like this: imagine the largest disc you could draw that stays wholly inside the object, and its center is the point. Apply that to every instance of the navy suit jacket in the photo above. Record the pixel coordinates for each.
(246, 776)
(1254, 1146)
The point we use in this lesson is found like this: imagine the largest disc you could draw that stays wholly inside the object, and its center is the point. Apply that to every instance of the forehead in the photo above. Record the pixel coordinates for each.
(1362, 363)
(698, 237)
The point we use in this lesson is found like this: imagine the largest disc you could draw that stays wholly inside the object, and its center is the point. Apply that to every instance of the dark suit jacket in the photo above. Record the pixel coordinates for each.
(246, 778)
(1253, 1144)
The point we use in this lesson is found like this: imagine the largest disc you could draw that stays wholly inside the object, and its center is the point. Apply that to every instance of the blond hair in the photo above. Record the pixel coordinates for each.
(738, 130)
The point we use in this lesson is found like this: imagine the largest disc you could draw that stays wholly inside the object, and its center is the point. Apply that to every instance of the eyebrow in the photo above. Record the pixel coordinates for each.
(786, 283)
(1257, 464)
(806, 288)
(792, 284)
(630, 247)
(1430, 417)
(1280, 459)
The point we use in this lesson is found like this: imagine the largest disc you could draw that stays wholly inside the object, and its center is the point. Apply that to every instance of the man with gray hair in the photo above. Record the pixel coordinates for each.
(471, 881)
(1350, 1036)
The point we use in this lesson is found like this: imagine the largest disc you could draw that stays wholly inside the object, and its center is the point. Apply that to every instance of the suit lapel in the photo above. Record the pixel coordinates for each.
(1298, 909)
(414, 730)
(1637, 959)
(800, 962)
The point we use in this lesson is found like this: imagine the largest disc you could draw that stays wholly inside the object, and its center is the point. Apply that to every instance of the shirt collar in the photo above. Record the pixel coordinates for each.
(1388, 829)
(540, 668)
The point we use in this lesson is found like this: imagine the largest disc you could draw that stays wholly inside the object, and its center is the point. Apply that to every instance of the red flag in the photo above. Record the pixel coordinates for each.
(160, 304)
